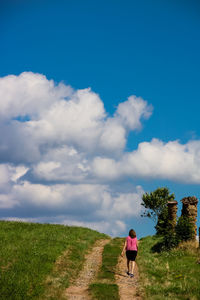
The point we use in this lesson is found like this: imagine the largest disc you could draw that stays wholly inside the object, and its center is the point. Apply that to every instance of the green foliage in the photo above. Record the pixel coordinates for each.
(28, 253)
(155, 204)
(167, 242)
(162, 223)
(168, 275)
(184, 229)
(104, 291)
(170, 241)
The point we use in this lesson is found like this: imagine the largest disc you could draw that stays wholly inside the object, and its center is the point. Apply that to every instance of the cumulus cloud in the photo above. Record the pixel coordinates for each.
(53, 134)
(29, 94)
(60, 154)
(9, 175)
(92, 205)
(39, 115)
(131, 111)
(154, 159)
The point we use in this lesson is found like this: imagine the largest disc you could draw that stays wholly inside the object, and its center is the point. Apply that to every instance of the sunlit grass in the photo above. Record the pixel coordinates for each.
(171, 274)
(105, 288)
(110, 259)
(28, 253)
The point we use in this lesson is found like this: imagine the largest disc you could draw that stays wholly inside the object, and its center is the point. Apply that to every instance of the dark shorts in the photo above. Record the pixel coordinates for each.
(131, 255)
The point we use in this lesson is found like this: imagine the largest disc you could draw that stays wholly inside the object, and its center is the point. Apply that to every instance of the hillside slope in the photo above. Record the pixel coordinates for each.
(29, 251)
(171, 274)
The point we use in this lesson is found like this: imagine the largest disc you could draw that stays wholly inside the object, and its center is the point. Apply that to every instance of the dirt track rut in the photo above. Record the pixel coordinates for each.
(79, 290)
(128, 287)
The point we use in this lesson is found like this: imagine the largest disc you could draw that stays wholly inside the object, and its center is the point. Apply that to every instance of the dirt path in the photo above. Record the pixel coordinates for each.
(79, 290)
(128, 287)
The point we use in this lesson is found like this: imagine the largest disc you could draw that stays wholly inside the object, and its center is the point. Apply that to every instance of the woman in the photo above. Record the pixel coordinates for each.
(131, 247)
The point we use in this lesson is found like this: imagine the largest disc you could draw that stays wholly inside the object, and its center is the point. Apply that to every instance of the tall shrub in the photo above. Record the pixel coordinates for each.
(184, 229)
(155, 204)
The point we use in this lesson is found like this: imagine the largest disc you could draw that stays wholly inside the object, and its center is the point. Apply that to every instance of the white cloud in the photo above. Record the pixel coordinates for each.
(62, 164)
(6, 201)
(18, 172)
(113, 136)
(131, 111)
(4, 174)
(129, 204)
(110, 227)
(39, 115)
(106, 168)
(77, 121)
(60, 154)
(95, 199)
(154, 159)
(9, 174)
(91, 205)
(28, 94)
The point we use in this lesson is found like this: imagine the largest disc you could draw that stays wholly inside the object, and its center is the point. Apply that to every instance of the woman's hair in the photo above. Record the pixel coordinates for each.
(132, 233)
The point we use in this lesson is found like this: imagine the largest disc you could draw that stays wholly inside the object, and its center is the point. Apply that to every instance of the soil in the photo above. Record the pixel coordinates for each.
(79, 290)
(128, 287)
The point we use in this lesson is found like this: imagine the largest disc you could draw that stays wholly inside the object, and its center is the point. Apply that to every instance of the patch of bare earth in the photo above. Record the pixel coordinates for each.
(93, 260)
(128, 287)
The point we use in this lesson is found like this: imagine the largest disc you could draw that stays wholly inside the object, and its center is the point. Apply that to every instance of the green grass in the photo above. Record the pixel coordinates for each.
(104, 291)
(28, 253)
(171, 274)
(105, 287)
(110, 259)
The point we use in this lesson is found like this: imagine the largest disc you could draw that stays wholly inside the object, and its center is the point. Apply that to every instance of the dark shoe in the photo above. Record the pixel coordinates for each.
(131, 275)
(127, 273)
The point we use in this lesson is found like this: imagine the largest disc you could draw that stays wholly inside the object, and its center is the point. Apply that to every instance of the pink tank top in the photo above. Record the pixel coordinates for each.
(131, 243)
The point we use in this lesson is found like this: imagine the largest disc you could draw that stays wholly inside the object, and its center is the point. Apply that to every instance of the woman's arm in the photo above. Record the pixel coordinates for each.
(124, 248)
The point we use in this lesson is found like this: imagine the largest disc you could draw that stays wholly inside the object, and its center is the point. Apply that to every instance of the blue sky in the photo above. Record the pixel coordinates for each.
(149, 49)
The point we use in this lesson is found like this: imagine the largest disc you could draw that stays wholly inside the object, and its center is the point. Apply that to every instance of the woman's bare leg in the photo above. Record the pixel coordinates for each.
(128, 261)
(132, 266)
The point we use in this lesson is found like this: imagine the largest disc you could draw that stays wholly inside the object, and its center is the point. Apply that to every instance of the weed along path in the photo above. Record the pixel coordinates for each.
(93, 260)
(128, 287)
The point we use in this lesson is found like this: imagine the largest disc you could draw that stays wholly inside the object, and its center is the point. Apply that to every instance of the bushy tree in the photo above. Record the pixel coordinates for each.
(155, 204)
(184, 229)
(170, 240)
(162, 222)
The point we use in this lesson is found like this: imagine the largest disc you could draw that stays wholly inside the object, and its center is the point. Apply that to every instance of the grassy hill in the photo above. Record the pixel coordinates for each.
(29, 251)
(171, 274)
(37, 261)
